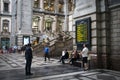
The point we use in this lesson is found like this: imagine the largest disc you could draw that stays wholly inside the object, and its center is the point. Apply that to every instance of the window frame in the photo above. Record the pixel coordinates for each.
(37, 4)
(5, 27)
(6, 7)
(35, 28)
(49, 5)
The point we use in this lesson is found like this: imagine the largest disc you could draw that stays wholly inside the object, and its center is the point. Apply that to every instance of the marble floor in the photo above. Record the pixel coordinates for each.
(12, 68)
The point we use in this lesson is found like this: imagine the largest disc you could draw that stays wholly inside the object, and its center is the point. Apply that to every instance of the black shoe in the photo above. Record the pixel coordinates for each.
(30, 73)
(85, 69)
(27, 74)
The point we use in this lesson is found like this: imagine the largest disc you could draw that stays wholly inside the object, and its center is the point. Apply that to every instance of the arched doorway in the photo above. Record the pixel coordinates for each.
(5, 42)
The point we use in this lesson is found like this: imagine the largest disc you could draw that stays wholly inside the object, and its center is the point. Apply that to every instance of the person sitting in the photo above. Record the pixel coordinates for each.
(74, 57)
(65, 55)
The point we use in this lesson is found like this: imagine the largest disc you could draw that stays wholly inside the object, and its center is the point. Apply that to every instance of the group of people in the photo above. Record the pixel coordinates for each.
(75, 56)
(65, 55)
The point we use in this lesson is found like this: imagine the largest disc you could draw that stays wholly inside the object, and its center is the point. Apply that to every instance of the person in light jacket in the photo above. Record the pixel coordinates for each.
(84, 54)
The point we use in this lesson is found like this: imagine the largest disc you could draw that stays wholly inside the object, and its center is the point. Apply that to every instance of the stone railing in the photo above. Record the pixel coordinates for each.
(55, 46)
(59, 46)
(39, 49)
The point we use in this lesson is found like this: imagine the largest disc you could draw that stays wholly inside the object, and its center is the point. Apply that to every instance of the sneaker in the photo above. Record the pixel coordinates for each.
(31, 74)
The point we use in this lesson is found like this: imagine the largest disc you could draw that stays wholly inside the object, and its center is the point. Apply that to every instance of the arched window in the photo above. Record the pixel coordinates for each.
(5, 25)
(35, 27)
(48, 23)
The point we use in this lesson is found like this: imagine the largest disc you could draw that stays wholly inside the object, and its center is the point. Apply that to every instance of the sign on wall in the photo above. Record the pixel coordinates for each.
(83, 32)
(26, 40)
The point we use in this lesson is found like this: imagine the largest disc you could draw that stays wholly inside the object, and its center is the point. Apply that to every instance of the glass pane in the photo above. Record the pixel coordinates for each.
(6, 7)
(48, 26)
(36, 3)
(49, 5)
(5, 25)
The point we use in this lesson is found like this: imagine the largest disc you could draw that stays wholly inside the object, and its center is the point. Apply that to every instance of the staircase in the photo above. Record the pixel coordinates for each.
(56, 46)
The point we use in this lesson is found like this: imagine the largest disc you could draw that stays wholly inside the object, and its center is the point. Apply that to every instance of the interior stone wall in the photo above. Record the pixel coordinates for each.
(115, 37)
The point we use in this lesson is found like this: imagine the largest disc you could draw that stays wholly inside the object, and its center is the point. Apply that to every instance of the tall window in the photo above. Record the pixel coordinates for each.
(60, 24)
(6, 7)
(60, 7)
(35, 26)
(49, 5)
(5, 25)
(48, 25)
(36, 3)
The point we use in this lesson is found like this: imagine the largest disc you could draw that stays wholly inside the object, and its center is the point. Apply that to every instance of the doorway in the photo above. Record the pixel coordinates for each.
(5, 42)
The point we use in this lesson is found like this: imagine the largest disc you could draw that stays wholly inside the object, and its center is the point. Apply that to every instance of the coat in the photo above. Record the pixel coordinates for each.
(28, 53)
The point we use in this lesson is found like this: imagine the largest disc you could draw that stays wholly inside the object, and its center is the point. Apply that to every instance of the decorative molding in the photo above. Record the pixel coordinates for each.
(6, 1)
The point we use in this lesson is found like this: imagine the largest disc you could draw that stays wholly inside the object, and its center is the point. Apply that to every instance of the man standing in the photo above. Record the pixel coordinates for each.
(46, 53)
(28, 57)
(84, 54)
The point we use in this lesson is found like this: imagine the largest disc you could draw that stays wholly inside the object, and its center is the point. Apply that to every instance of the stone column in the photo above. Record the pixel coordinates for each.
(19, 22)
(65, 28)
(107, 31)
(25, 14)
(56, 6)
(13, 23)
(0, 16)
(56, 17)
(42, 23)
(27, 17)
(42, 5)
(0, 24)
(42, 17)
(19, 14)
(102, 34)
(56, 24)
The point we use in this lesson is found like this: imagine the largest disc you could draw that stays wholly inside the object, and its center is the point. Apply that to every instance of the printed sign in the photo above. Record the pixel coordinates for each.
(26, 40)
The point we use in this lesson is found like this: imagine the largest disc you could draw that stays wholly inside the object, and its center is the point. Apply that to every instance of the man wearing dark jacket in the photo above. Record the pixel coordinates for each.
(65, 55)
(28, 57)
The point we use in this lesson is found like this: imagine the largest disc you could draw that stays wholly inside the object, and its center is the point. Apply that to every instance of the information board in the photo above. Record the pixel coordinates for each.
(83, 31)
